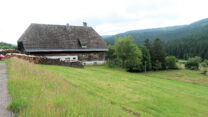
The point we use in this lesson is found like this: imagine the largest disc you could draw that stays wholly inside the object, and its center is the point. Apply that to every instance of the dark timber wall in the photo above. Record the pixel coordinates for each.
(82, 56)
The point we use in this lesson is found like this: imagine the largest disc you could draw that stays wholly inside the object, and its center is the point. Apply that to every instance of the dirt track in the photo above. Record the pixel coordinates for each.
(4, 96)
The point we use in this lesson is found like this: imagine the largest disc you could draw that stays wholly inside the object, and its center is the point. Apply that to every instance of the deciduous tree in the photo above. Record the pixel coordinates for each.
(129, 54)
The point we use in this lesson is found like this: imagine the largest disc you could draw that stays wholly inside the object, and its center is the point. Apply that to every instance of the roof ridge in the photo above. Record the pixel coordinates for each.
(58, 25)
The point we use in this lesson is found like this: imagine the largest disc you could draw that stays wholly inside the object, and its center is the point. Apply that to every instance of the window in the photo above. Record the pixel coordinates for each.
(84, 45)
(95, 55)
(84, 55)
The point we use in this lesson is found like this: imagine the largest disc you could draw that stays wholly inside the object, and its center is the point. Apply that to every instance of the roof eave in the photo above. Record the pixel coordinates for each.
(66, 50)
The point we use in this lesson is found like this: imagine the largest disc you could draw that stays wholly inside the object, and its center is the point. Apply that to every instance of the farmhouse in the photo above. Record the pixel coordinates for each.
(66, 42)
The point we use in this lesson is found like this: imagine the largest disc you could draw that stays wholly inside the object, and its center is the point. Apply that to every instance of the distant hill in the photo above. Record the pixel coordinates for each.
(182, 41)
(106, 36)
(4, 45)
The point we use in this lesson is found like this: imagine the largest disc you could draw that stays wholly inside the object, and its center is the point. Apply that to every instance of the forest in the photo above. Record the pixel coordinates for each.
(4, 45)
(181, 41)
(133, 58)
(147, 57)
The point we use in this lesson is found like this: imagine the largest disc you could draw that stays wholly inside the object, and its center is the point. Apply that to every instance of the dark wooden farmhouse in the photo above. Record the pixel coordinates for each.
(66, 42)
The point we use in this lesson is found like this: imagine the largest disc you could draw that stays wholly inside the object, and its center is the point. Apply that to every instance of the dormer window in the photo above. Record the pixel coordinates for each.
(83, 44)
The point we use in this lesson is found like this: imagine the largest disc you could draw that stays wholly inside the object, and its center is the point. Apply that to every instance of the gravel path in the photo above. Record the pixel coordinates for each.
(4, 96)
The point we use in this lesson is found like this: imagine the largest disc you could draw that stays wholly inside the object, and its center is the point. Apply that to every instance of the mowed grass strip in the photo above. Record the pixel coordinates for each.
(148, 96)
(38, 92)
(185, 75)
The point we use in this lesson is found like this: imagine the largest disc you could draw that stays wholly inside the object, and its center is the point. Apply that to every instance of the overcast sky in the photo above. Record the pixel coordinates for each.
(105, 16)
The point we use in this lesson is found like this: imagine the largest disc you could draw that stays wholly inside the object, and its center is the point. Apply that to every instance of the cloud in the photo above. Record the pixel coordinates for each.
(106, 16)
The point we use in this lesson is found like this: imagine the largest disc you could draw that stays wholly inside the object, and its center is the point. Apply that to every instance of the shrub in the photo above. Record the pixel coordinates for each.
(193, 63)
(171, 62)
(110, 63)
(157, 66)
(204, 66)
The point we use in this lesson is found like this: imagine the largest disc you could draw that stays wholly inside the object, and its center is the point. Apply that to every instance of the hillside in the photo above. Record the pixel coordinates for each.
(4, 45)
(98, 91)
(182, 41)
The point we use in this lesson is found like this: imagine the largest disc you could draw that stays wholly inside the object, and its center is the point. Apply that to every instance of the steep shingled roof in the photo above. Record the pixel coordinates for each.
(45, 37)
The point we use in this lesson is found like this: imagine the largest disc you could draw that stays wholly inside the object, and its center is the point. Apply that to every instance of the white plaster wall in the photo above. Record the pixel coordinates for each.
(93, 62)
(64, 58)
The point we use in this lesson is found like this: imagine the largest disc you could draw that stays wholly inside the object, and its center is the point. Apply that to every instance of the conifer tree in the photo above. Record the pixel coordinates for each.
(146, 59)
(157, 55)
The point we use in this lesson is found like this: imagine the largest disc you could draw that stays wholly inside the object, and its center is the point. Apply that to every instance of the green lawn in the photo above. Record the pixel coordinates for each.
(183, 75)
(146, 94)
(97, 91)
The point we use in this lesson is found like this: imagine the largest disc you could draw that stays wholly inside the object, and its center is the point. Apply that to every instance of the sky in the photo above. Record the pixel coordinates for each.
(107, 17)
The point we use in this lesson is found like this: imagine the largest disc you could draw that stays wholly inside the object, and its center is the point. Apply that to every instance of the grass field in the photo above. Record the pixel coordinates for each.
(98, 91)
(2, 61)
(184, 75)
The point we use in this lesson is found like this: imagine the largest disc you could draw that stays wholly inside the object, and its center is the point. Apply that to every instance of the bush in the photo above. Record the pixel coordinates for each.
(134, 68)
(171, 62)
(204, 72)
(193, 63)
(205, 62)
(157, 66)
(110, 63)
(204, 66)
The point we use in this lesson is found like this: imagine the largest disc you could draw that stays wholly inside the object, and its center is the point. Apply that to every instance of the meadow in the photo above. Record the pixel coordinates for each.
(1, 61)
(99, 91)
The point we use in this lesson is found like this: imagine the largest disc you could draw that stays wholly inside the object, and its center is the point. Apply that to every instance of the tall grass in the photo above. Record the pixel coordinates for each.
(98, 91)
(37, 92)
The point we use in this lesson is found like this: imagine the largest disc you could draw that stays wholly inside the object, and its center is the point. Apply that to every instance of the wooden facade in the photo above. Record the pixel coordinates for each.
(82, 56)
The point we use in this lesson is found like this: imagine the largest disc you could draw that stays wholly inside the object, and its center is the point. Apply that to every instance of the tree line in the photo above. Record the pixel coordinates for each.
(149, 56)
(4, 45)
(181, 41)
(189, 46)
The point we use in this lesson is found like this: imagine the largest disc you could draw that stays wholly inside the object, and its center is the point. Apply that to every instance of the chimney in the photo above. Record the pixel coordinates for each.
(85, 24)
(68, 27)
